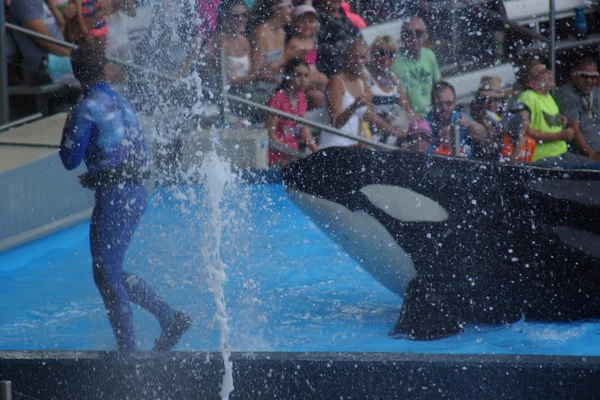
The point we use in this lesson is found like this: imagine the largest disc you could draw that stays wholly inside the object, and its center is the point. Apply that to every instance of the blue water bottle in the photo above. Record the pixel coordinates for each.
(581, 29)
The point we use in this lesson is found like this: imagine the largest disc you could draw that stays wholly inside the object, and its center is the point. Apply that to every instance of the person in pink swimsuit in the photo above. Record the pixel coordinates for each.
(304, 31)
(290, 98)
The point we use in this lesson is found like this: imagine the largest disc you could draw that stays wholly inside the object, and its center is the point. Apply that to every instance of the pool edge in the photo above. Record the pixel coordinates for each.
(195, 375)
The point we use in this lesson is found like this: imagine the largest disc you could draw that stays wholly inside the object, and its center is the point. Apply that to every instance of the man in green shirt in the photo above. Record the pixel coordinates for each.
(416, 66)
(546, 124)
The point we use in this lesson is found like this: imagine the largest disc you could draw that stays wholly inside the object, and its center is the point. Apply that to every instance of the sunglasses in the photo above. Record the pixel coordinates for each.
(408, 34)
(381, 53)
(239, 15)
(586, 75)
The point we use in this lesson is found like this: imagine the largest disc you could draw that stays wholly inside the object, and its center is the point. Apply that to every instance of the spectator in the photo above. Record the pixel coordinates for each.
(335, 30)
(417, 66)
(389, 99)
(42, 62)
(579, 101)
(516, 145)
(304, 31)
(444, 119)
(206, 16)
(232, 16)
(486, 109)
(356, 19)
(348, 99)
(546, 125)
(90, 15)
(268, 53)
(419, 137)
(290, 98)
(55, 7)
(267, 36)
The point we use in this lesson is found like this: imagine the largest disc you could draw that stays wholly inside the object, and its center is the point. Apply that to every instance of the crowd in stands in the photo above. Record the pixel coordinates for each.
(297, 56)
(40, 62)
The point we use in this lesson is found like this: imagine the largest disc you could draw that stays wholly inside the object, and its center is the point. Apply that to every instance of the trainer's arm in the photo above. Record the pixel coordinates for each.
(75, 136)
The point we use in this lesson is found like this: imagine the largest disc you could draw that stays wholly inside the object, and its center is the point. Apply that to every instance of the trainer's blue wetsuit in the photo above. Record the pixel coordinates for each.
(103, 130)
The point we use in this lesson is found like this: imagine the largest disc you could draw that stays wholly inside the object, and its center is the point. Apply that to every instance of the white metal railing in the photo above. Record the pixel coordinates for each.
(21, 121)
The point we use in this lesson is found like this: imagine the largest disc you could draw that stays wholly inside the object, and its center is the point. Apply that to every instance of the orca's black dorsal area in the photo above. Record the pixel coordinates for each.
(462, 241)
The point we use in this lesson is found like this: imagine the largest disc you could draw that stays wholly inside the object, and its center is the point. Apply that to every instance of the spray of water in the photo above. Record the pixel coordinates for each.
(216, 175)
(173, 106)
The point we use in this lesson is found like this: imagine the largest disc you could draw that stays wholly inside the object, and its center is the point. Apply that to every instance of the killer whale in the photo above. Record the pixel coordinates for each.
(461, 241)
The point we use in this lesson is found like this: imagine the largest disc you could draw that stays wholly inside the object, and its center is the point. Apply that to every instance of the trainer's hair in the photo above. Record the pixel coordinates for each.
(88, 62)
(438, 87)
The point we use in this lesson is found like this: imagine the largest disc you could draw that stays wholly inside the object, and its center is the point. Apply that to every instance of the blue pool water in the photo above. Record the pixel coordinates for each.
(289, 288)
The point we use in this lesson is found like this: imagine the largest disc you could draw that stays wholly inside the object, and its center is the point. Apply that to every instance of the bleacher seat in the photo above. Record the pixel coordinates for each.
(391, 28)
(466, 84)
(42, 93)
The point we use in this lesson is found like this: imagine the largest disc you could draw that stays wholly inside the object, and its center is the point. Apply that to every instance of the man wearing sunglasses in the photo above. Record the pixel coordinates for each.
(417, 66)
(579, 101)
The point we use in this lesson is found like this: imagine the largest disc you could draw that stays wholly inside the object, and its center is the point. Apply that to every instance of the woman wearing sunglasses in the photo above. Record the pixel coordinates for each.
(389, 99)
(348, 100)
(231, 19)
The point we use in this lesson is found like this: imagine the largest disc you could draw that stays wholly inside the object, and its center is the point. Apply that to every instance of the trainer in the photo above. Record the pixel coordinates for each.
(102, 130)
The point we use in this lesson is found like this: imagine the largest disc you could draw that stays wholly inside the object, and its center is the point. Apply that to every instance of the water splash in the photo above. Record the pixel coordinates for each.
(216, 174)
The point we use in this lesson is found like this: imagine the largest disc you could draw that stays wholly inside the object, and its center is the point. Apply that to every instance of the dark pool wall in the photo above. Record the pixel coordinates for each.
(179, 375)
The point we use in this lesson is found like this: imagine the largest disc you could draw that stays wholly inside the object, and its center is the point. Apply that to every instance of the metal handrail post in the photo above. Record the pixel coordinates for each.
(223, 82)
(20, 121)
(5, 386)
(456, 146)
(553, 38)
(4, 111)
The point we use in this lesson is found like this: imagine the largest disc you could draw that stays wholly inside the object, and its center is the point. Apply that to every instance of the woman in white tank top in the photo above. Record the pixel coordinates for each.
(348, 100)
(229, 35)
(352, 125)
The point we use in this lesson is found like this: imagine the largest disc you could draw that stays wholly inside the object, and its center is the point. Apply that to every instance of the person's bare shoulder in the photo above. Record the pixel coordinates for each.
(260, 33)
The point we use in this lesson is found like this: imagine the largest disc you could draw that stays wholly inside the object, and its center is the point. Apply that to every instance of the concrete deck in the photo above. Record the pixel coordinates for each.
(38, 196)
(24, 144)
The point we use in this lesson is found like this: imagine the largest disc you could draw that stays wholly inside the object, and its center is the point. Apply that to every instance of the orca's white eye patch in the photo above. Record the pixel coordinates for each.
(404, 204)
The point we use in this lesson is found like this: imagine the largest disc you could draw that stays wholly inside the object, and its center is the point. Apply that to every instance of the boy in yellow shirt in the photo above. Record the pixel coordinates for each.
(546, 125)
